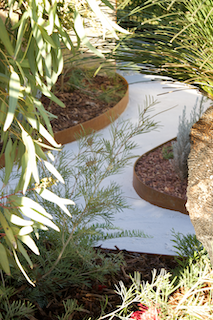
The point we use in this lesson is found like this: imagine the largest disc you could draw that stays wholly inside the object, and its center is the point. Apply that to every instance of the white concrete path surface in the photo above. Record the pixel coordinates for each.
(154, 221)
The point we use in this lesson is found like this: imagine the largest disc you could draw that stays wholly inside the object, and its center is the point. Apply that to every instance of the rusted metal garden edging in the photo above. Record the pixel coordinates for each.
(95, 124)
(155, 197)
(155, 255)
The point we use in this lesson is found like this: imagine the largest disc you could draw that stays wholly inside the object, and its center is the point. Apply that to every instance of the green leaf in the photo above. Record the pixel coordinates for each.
(4, 260)
(38, 38)
(3, 112)
(8, 231)
(50, 95)
(20, 33)
(10, 154)
(37, 226)
(27, 171)
(4, 137)
(21, 268)
(52, 11)
(43, 145)
(8, 161)
(29, 203)
(39, 62)
(40, 152)
(47, 38)
(14, 150)
(48, 68)
(34, 215)
(52, 197)
(78, 24)
(40, 226)
(51, 156)
(23, 63)
(43, 112)
(28, 142)
(24, 253)
(19, 221)
(59, 63)
(31, 56)
(15, 230)
(25, 230)
(21, 151)
(41, 129)
(53, 170)
(30, 243)
(14, 88)
(5, 38)
(108, 4)
(65, 37)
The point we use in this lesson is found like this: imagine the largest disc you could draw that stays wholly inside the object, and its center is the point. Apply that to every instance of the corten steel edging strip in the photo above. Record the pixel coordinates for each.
(95, 124)
(155, 197)
(137, 252)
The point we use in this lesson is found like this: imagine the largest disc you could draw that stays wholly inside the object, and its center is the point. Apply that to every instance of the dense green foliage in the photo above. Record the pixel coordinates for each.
(131, 14)
(174, 38)
(184, 293)
(31, 60)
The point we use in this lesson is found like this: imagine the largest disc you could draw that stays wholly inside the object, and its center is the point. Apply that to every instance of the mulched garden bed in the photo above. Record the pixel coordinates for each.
(86, 102)
(158, 173)
(91, 298)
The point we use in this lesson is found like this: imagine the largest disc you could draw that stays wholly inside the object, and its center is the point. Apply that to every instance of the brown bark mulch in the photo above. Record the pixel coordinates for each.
(84, 102)
(91, 298)
(158, 173)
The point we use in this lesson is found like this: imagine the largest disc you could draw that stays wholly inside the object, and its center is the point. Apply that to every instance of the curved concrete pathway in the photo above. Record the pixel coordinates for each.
(154, 221)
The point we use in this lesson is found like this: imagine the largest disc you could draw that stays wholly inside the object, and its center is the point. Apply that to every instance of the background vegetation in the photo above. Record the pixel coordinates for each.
(171, 38)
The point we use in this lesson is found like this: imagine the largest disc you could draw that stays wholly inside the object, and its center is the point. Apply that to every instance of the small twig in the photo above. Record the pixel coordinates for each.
(124, 273)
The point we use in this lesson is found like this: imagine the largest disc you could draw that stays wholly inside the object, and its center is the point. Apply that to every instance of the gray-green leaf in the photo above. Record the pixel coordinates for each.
(14, 88)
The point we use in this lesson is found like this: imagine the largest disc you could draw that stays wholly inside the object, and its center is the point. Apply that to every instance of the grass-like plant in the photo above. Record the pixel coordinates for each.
(167, 152)
(174, 38)
(83, 78)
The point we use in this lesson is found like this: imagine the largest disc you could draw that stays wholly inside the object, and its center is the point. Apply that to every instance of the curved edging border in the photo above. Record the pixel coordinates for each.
(95, 124)
(155, 197)
(166, 256)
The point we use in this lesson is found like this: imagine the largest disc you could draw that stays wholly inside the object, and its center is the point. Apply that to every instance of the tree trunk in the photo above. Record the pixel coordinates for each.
(200, 180)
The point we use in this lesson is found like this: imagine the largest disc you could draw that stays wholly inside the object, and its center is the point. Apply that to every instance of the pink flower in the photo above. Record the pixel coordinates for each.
(146, 313)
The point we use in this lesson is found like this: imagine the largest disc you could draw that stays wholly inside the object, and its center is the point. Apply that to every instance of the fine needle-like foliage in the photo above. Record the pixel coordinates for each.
(30, 61)
(68, 258)
(188, 295)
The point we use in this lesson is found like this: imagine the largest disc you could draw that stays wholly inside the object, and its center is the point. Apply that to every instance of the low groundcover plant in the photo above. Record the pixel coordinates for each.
(146, 313)
(183, 293)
